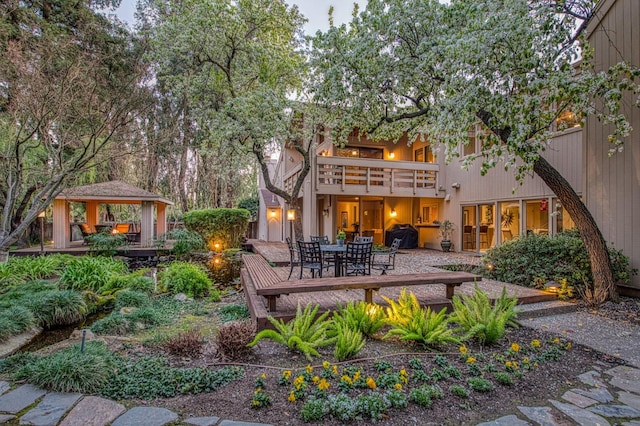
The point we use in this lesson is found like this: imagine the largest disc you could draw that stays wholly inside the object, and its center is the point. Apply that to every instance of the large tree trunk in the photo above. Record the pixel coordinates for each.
(603, 284)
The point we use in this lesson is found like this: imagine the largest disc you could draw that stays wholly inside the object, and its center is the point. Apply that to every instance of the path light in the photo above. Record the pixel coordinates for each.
(216, 246)
(217, 261)
(551, 286)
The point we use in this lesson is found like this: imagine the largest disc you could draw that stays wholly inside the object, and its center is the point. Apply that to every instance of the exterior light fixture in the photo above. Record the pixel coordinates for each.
(393, 213)
(216, 246)
(392, 155)
(291, 215)
(272, 213)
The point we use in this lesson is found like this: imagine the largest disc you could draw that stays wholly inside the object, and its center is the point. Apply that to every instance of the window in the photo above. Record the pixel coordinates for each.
(567, 120)
(359, 152)
(470, 147)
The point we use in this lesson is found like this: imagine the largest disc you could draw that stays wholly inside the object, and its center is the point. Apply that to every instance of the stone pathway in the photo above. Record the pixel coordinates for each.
(29, 405)
(607, 396)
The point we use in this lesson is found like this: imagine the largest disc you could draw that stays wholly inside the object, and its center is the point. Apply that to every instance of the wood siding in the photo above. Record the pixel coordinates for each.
(564, 153)
(613, 183)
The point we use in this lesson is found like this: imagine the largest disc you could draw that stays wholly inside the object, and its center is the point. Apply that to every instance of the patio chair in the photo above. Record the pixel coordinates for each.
(362, 239)
(310, 257)
(386, 261)
(86, 231)
(357, 259)
(294, 259)
(329, 259)
(322, 239)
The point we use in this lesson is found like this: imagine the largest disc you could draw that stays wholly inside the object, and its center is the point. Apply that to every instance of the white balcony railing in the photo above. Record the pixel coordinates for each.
(358, 176)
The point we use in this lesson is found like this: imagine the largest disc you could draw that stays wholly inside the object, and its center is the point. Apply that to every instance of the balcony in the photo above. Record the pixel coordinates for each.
(359, 176)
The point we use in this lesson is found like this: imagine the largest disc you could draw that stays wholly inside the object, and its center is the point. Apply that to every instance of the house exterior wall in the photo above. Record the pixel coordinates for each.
(612, 184)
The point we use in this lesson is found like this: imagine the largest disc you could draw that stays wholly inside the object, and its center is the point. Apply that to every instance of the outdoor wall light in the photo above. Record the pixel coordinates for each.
(455, 185)
(392, 155)
(325, 212)
(273, 213)
(393, 213)
(291, 214)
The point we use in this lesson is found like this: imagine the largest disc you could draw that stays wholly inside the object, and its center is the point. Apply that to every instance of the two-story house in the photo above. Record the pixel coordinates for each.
(368, 187)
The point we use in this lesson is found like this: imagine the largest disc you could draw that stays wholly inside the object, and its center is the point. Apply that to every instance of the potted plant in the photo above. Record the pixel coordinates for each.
(341, 237)
(446, 229)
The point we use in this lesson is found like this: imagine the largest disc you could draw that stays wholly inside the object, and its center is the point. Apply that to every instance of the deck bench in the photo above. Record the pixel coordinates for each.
(269, 285)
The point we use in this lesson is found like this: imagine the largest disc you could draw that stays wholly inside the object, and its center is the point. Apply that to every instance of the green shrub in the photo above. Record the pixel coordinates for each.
(106, 244)
(532, 260)
(303, 333)
(15, 320)
(367, 317)
(313, 410)
(396, 398)
(348, 342)
(342, 407)
(504, 378)
(91, 273)
(113, 324)
(62, 307)
(132, 299)
(421, 396)
(371, 405)
(184, 241)
(187, 278)
(479, 384)
(26, 294)
(222, 226)
(409, 321)
(480, 319)
(26, 268)
(70, 370)
(135, 281)
(459, 391)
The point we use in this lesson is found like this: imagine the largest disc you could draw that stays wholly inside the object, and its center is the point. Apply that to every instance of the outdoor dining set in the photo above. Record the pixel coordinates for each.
(357, 257)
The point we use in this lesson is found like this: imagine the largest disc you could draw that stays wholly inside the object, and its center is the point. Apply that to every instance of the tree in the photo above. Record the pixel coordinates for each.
(236, 61)
(424, 67)
(69, 87)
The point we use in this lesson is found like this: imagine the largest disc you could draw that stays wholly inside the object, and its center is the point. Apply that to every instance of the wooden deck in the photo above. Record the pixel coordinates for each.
(428, 295)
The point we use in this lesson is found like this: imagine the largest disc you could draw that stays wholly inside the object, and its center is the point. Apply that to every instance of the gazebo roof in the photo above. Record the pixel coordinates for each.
(115, 191)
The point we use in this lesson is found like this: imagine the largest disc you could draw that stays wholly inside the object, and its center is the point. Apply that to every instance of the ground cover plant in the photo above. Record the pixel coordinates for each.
(187, 278)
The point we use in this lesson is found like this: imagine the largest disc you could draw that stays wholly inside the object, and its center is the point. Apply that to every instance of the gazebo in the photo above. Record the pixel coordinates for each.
(112, 192)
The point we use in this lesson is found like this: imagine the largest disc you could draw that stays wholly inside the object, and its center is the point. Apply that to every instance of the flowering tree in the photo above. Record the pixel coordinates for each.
(427, 67)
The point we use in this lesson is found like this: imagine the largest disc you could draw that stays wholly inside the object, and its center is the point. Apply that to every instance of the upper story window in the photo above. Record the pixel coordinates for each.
(471, 147)
(424, 154)
(360, 152)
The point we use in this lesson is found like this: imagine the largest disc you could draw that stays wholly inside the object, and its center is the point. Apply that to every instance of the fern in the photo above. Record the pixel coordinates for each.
(368, 318)
(303, 333)
(349, 342)
(403, 310)
(480, 319)
(409, 321)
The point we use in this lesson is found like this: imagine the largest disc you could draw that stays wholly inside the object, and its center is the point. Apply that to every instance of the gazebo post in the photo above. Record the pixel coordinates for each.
(91, 208)
(161, 219)
(146, 224)
(61, 229)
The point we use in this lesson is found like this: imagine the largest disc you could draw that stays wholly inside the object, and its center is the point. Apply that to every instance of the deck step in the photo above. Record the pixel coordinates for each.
(543, 309)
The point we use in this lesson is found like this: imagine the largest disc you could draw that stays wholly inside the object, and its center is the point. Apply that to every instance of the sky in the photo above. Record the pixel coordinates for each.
(316, 11)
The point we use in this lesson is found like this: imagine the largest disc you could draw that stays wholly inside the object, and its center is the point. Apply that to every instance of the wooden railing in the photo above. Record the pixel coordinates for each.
(290, 178)
(357, 176)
